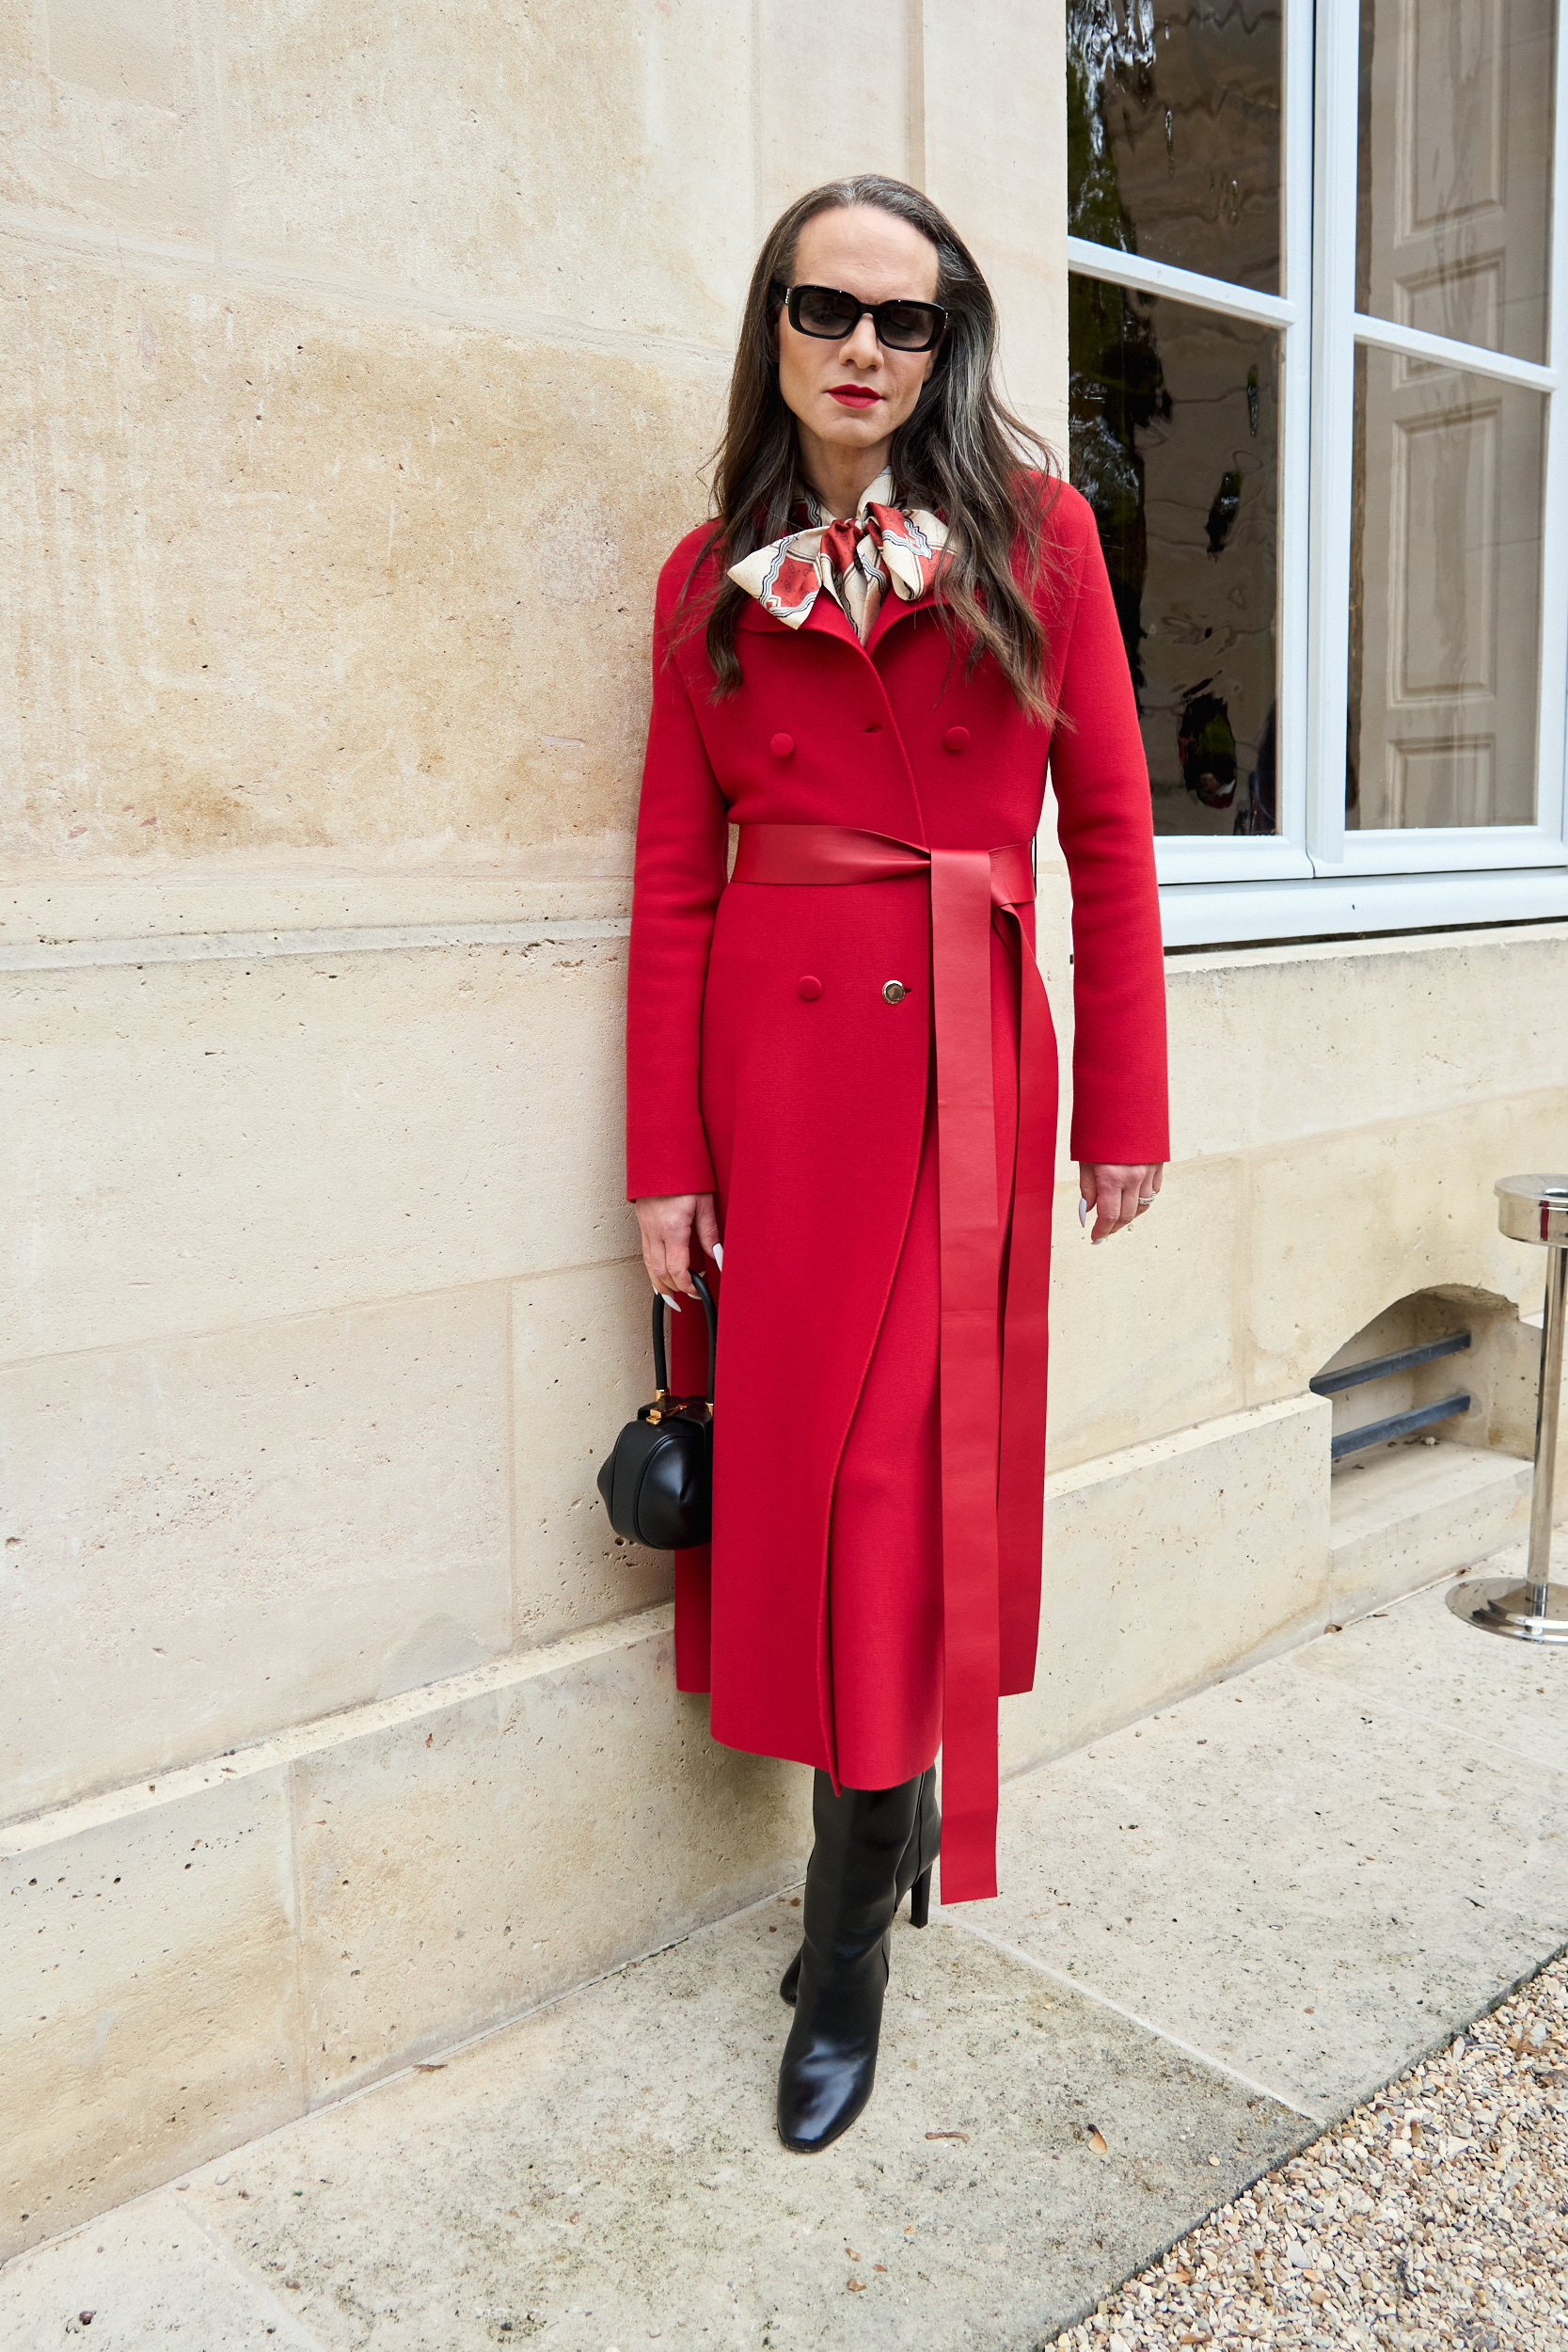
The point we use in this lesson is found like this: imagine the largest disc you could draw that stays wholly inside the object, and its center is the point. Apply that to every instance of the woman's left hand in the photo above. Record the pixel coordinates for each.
(1116, 1196)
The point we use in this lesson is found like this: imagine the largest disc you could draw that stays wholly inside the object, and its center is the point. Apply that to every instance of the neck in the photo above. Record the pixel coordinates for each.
(838, 475)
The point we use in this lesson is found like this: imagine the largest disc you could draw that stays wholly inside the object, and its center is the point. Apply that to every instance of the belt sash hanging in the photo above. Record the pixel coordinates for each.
(992, 1395)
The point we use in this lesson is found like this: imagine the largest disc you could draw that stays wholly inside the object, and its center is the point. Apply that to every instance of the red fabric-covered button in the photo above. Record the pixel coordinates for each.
(956, 738)
(808, 986)
(780, 746)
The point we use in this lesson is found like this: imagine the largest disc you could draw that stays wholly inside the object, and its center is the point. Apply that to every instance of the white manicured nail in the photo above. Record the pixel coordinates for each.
(673, 1303)
(1083, 1210)
(718, 1255)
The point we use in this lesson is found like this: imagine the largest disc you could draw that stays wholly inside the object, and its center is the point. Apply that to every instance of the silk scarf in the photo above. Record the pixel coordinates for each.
(856, 560)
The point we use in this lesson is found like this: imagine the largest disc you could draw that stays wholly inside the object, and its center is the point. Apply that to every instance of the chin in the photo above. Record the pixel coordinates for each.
(855, 424)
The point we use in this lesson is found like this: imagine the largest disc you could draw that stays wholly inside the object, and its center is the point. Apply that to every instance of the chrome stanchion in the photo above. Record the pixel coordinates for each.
(1532, 1208)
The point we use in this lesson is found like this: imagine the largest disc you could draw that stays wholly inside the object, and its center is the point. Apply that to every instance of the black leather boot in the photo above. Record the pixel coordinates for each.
(914, 1872)
(829, 2059)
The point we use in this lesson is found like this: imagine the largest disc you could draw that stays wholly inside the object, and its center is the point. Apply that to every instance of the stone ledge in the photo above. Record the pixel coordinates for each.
(269, 1929)
(1170, 1564)
(1406, 1515)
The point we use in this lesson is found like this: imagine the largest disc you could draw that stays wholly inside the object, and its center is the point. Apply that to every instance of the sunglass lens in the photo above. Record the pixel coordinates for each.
(823, 312)
(906, 326)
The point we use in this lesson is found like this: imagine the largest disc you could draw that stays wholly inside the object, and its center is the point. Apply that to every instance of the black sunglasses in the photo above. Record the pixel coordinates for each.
(831, 315)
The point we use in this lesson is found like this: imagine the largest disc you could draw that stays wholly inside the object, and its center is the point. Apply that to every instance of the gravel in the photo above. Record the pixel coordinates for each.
(1436, 2214)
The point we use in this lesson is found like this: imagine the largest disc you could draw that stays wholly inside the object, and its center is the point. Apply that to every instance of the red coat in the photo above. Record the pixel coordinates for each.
(765, 1064)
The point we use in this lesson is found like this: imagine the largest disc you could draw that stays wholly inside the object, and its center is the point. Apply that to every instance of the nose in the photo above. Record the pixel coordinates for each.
(861, 346)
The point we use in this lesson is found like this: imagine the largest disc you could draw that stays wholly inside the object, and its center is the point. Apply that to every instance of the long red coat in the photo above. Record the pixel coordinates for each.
(765, 1064)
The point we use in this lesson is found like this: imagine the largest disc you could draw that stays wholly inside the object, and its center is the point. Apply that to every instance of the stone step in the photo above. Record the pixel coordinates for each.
(1402, 1514)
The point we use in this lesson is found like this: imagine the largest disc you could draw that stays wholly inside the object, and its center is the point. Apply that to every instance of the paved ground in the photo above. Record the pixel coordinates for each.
(1224, 1928)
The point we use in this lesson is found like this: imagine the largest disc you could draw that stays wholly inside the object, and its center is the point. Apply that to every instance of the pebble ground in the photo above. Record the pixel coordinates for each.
(1435, 2215)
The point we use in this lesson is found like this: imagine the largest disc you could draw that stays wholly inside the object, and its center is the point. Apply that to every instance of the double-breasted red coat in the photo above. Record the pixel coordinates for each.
(879, 1400)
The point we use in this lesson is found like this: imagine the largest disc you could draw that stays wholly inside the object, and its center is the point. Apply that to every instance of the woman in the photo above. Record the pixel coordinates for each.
(841, 1072)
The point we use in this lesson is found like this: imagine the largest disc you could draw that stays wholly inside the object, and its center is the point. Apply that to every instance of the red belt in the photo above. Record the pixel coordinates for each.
(993, 1386)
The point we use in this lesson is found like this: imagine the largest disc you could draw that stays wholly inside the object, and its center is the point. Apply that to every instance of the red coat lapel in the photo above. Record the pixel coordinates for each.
(894, 610)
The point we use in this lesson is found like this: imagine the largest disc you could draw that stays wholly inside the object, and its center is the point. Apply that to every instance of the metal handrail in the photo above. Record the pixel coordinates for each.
(1396, 1425)
(1377, 1367)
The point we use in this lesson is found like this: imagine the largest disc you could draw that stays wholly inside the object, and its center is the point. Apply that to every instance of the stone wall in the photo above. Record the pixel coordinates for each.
(358, 366)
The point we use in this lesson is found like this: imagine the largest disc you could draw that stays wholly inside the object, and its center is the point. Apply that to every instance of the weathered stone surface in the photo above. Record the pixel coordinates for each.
(145, 2274)
(582, 1363)
(1002, 186)
(1473, 1687)
(52, 918)
(1145, 1326)
(608, 2172)
(105, 117)
(590, 163)
(876, 58)
(194, 1145)
(196, 1957)
(1271, 1044)
(286, 575)
(1170, 1561)
(1402, 1514)
(208, 1539)
(151, 2012)
(526, 1827)
(1344, 1224)
(1300, 1875)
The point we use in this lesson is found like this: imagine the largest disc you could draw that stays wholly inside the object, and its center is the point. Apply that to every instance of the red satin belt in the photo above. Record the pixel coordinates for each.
(992, 1379)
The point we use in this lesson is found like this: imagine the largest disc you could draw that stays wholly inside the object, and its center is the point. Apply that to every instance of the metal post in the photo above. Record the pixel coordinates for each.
(1548, 1405)
(1533, 1209)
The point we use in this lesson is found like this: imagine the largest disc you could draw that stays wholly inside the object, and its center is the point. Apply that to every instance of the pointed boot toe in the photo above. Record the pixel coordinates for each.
(824, 2086)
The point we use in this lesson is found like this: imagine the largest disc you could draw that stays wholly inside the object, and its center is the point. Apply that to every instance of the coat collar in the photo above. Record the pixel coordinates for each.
(828, 619)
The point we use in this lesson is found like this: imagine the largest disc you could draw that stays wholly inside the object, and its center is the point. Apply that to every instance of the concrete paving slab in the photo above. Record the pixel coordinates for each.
(148, 2274)
(606, 2173)
(1295, 1876)
(1417, 1656)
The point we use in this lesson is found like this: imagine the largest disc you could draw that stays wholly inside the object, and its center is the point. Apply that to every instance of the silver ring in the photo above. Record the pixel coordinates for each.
(1146, 1200)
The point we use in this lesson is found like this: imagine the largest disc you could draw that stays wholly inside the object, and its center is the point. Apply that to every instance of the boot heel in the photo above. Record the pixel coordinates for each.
(920, 1899)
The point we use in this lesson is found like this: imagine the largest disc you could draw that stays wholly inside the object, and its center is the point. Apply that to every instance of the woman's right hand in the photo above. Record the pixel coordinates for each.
(668, 1221)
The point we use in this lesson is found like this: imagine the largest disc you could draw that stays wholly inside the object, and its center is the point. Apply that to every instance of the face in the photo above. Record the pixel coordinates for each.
(854, 395)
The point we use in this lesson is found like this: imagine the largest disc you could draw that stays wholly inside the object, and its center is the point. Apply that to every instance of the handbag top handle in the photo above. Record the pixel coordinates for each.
(661, 1371)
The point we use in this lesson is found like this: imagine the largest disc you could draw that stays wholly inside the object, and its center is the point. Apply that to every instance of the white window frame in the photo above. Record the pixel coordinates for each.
(1314, 879)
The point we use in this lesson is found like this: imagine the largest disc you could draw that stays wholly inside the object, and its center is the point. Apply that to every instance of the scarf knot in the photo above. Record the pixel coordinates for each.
(856, 559)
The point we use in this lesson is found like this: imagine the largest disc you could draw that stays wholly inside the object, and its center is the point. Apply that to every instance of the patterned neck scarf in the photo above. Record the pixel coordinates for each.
(856, 560)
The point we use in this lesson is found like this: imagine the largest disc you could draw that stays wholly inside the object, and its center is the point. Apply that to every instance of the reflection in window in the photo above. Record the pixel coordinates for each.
(1174, 439)
(1174, 133)
(1444, 596)
(1455, 168)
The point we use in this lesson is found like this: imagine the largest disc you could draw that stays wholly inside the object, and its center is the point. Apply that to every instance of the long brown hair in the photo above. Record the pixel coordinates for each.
(961, 453)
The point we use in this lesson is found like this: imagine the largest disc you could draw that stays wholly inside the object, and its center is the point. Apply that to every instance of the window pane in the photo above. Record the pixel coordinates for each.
(1175, 438)
(1444, 596)
(1455, 169)
(1174, 133)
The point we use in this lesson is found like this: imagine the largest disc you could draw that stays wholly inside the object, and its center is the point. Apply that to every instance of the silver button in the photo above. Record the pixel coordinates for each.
(894, 992)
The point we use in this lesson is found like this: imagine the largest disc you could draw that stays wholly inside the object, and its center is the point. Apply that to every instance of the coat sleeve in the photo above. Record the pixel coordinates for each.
(1105, 826)
(682, 844)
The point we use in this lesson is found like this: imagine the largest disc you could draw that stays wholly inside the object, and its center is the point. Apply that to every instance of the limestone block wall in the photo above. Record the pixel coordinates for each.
(360, 369)
(359, 366)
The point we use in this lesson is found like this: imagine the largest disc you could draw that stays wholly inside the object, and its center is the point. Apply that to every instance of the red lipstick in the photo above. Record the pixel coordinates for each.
(854, 395)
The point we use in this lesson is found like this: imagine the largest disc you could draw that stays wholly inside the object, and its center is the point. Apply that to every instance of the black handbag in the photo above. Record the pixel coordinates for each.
(658, 1483)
